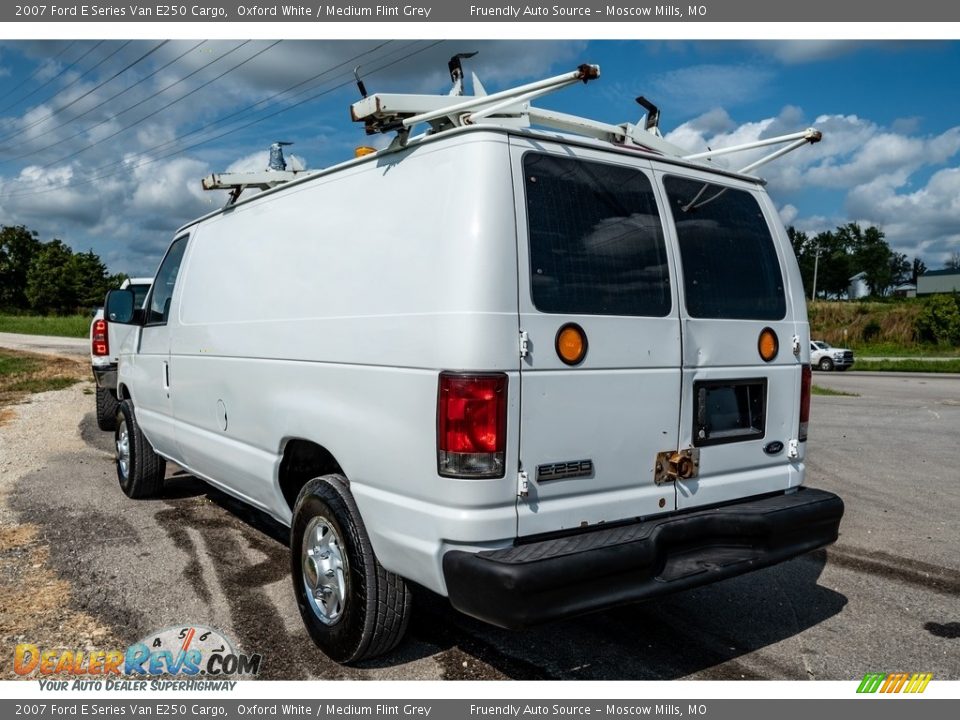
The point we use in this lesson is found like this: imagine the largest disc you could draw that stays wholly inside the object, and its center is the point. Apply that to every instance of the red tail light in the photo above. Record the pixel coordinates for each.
(99, 341)
(806, 380)
(471, 425)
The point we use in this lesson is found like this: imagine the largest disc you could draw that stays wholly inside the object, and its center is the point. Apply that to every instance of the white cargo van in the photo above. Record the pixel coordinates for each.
(539, 373)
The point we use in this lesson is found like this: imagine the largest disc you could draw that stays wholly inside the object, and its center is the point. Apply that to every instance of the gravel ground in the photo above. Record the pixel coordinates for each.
(37, 605)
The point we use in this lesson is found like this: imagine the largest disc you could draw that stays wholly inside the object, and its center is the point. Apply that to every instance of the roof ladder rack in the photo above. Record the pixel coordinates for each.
(400, 113)
(275, 174)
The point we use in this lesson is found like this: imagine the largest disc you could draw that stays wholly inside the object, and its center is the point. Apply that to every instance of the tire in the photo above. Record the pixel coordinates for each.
(825, 364)
(139, 469)
(107, 408)
(352, 607)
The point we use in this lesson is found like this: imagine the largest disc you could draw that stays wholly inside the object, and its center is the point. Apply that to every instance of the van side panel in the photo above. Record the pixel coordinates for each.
(326, 313)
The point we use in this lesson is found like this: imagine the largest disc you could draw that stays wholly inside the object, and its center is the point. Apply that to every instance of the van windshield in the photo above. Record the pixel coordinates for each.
(596, 239)
(730, 266)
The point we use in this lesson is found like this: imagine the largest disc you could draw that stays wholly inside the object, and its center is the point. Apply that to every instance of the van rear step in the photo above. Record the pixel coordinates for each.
(550, 579)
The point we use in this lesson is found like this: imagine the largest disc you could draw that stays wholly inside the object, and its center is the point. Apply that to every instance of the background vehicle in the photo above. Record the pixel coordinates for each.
(825, 357)
(105, 341)
(533, 380)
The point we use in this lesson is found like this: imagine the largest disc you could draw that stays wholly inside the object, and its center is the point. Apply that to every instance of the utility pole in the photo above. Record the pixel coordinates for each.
(816, 266)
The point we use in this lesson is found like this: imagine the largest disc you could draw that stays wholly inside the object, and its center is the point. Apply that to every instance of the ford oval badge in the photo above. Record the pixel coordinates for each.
(774, 448)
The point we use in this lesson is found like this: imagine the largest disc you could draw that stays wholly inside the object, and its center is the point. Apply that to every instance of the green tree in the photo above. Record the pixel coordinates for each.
(835, 266)
(52, 279)
(805, 253)
(919, 268)
(91, 279)
(870, 255)
(18, 245)
(900, 268)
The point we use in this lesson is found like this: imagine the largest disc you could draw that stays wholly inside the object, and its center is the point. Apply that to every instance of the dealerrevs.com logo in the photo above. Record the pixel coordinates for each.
(202, 655)
(894, 683)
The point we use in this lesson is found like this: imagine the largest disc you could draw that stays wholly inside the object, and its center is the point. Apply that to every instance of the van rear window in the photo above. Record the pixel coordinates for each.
(730, 266)
(596, 239)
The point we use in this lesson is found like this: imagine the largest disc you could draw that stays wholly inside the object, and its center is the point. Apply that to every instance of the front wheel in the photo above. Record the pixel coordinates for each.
(825, 364)
(139, 469)
(352, 607)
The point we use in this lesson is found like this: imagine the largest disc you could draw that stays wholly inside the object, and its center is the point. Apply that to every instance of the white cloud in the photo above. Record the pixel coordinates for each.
(805, 51)
(788, 213)
(873, 169)
(705, 87)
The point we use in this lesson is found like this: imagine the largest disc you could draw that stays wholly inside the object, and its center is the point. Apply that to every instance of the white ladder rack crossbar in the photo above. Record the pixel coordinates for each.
(388, 112)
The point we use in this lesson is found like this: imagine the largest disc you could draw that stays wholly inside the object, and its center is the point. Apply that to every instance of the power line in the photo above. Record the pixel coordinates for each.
(130, 168)
(41, 87)
(105, 102)
(221, 120)
(225, 118)
(161, 109)
(36, 70)
(86, 94)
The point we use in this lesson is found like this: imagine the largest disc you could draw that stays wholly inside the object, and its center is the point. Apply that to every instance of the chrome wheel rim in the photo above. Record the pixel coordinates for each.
(123, 449)
(324, 570)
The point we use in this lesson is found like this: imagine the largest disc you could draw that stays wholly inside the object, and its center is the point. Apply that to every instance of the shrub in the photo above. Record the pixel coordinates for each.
(939, 320)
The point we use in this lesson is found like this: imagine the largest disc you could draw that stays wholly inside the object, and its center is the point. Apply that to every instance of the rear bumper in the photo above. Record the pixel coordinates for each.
(545, 580)
(106, 376)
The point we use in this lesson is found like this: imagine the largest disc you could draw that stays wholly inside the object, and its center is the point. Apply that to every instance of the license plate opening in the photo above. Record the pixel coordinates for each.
(729, 411)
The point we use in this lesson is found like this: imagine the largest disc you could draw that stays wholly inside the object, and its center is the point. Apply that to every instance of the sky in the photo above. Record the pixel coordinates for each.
(104, 144)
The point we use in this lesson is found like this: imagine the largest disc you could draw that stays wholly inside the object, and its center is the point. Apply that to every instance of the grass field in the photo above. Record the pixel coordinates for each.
(926, 366)
(77, 326)
(24, 373)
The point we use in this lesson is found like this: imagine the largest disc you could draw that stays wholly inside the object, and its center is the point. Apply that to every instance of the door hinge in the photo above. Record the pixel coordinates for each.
(523, 484)
(524, 344)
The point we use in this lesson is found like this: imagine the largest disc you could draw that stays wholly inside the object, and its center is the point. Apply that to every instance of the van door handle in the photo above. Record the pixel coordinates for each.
(166, 376)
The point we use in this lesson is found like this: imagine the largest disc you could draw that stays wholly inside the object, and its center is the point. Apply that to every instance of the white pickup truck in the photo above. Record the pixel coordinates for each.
(105, 341)
(824, 356)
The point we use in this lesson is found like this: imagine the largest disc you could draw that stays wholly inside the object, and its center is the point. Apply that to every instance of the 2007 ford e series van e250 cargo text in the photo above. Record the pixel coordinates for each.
(540, 373)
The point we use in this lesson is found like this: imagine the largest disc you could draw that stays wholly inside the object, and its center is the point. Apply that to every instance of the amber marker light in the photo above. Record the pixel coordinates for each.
(364, 150)
(571, 344)
(768, 345)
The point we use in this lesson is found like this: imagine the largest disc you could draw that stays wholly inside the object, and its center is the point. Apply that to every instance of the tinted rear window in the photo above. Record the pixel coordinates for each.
(730, 266)
(596, 239)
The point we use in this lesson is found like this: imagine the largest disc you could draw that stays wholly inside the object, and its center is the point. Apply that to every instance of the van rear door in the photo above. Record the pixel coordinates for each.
(593, 259)
(739, 411)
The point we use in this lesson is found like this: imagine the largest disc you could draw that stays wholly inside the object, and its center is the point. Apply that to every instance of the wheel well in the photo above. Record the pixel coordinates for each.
(122, 393)
(302, 461)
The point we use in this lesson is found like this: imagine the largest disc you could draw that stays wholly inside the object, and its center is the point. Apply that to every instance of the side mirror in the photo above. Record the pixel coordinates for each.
(119, 307)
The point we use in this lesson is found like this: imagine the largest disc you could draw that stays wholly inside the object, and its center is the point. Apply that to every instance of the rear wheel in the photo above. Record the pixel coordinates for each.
(825, 364)
(139, 469)
(352, 607)
(107, 408)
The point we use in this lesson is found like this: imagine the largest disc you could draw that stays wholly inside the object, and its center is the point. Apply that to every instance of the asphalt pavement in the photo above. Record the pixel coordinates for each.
(883, 599)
